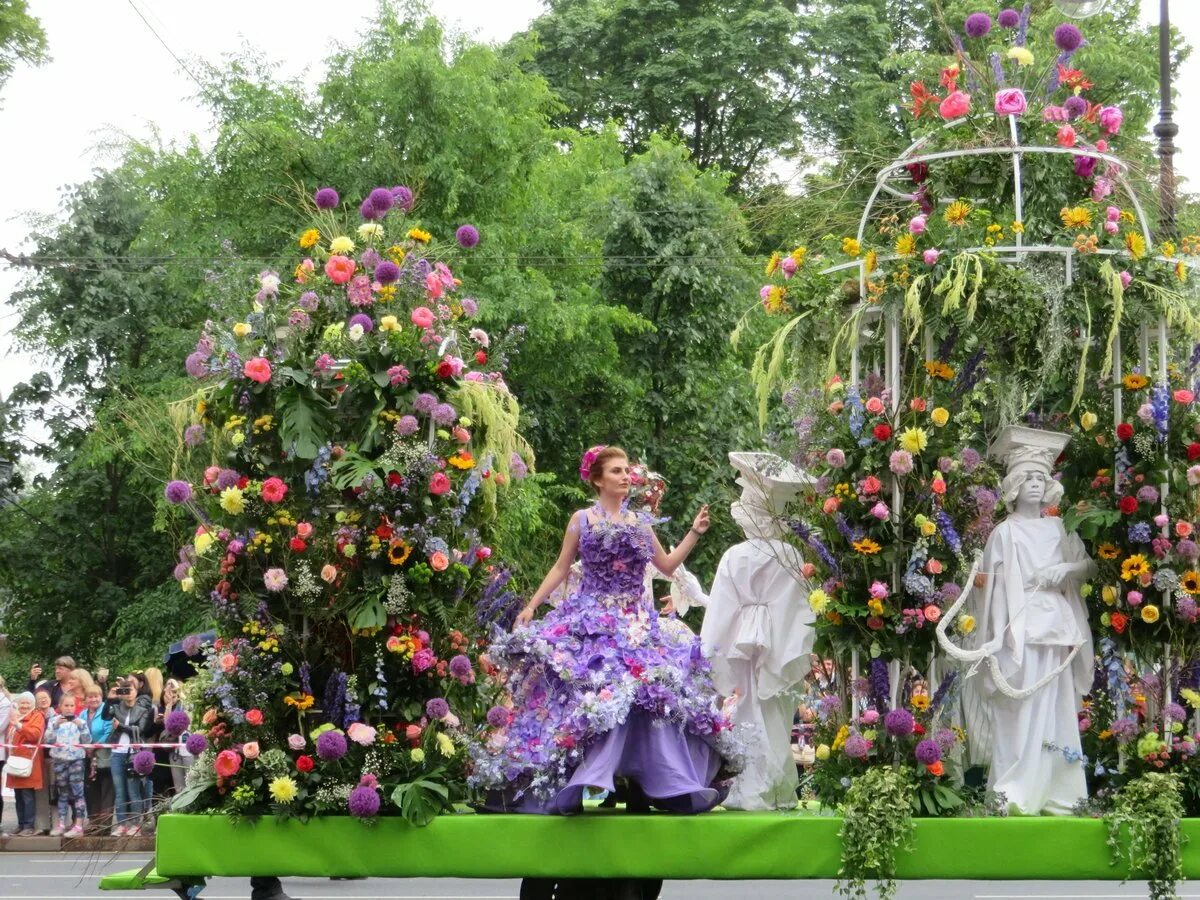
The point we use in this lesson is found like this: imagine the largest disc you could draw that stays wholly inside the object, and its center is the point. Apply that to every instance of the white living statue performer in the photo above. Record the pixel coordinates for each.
(1034, 652)
(757, 630)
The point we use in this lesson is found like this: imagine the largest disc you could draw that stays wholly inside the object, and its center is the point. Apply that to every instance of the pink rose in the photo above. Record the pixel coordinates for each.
(439, 484)
(956, 105)
(328, 573)
(1183, 396)
(228, 662)
(250, 750)
(1066, 136)
(340, 269)
(227, 763)
(1111, 118)
(422, 317)
(916, 225)
(1126, 279)
(257, 369)
(1134, 598)
(830, 506)
(304, 530)
(1111, 227)
(254, 717)
(878, 590)
(880, 511)
(412, 732)
(932, 613)
(422, 660)
(1010, 102)
(835, 458)
(274, 490)
(211, 473)
(296, 741)
(438, 561)
(874, 406)
(808, 570)
(361, 734)
(1161, 520)
(931, 257)
(934, 567)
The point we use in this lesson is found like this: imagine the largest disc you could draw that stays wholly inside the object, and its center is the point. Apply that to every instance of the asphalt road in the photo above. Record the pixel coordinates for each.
(62, 876)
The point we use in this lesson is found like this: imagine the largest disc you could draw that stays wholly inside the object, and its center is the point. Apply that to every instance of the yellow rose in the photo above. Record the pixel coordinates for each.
(822, 751)
(241, 329)
(1149, 613)
(928, 529)
(965, 624)
(187, 584)
(940, 416)
(389, 323)
(1088, 421)
(817, 601)
(1108, 594)
(341, 245)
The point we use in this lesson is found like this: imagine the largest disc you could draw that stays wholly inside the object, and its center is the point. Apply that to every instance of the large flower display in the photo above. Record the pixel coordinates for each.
(349, 435)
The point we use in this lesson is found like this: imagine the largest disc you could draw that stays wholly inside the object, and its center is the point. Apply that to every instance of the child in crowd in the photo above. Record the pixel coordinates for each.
(67, 732)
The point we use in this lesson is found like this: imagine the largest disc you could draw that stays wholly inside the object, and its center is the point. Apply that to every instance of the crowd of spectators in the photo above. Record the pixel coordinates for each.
(64, 784)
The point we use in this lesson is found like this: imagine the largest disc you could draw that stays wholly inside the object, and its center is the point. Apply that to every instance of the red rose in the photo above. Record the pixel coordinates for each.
(1193, 451)
(874, 623)
(1129, 505)
(1124, 431)
(298, 545)
(242, 482)
(444, 369)
(480, 357)
(882, 432)
(395, 479)
(304, 763)
(1118, 621)
(254, 716)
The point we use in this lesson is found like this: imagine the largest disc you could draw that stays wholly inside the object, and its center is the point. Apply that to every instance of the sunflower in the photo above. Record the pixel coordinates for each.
(1134, 567)
(1135, 381)
(398, 552)
(919, 702)
(866, 546)
(906, 245)
(1135, 244)
(957, 213)
(1190, 582)
(1108, 551)
(1076, 217)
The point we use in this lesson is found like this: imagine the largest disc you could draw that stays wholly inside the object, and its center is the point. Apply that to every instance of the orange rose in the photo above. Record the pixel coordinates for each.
(340, 269)
(438, 561)
(936, 769)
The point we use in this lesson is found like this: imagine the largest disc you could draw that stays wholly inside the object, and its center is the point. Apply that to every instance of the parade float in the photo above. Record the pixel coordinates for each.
(351, 431)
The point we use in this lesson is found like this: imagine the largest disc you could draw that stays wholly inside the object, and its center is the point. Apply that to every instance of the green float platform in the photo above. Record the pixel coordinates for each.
(599, 843)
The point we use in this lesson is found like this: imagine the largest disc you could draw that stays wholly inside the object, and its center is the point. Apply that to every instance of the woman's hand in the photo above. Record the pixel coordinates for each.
(700, 524)
(524, 617)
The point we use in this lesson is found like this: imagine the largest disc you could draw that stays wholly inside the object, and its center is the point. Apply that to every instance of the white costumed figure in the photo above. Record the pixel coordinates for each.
(757, 630)
(1034, 655)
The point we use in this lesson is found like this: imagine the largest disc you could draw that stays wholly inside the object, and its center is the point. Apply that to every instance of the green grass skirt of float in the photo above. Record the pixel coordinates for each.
(604, 843)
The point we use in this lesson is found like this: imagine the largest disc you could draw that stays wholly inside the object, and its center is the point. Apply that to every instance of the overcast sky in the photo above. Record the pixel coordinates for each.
(110, 73)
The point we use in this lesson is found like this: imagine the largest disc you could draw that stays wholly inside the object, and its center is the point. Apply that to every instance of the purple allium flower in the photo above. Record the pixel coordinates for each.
(928, 752)
(326, 198)
(856, 747)
(143, 762)
(369, 212)
(387, 272)
(331, 745)
(407, 425)
(1188, 549)
(460, 666)
(176, 721)
(1008, 18)
(499, 717)
(425, 403)
(1124, 729)
(970, 458)
(403, 196)
(444, 414)
(193, 435)
(470, 307)
(370, 259)
(1185, 609)
(1075, 106)
(467, 236)
(1068, 37)
(361, 319)
(195, 744)
(946, 739)
(363, 802)
(309, 301)
(1175, 712)
(227, 478)
(196, 364)
(899, 723)
(381, 198)
(437, 708)
(977, 24)
(178, 492)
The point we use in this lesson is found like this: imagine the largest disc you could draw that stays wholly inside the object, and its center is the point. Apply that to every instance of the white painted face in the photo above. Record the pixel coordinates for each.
(1032, 489)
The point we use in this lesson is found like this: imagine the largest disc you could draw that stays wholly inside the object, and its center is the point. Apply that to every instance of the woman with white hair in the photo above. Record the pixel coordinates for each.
(24, 737)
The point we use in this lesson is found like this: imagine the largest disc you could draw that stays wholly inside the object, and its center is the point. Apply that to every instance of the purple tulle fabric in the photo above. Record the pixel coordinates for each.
(600, 691)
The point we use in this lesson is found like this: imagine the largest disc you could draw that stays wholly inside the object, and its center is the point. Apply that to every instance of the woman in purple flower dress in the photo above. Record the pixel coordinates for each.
(598, 689)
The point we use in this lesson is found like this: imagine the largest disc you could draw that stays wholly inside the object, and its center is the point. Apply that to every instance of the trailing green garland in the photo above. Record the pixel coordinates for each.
(876, 823)
(1151, 808)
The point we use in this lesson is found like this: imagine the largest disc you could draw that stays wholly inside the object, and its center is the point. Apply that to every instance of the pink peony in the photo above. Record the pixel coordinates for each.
(361, 734)
(955, 105)
(227, 763)
(340, 269)
(422, 660)
(422, 317)
(439, 484)
(274, 490)
(1066, 136)
(916, 225)
(1111, 118)
(900, 462)
(931, 257)
(257, 369)
(1010, 102)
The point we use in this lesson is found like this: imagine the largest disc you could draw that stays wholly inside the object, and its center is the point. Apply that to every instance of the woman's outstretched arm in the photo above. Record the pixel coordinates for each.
(666, 562)
(558, 572)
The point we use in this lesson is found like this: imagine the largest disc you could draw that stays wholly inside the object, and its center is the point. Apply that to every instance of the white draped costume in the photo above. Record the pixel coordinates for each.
(758, 635)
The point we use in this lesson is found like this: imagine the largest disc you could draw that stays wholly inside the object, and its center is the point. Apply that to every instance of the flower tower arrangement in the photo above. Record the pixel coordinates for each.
(351, 431)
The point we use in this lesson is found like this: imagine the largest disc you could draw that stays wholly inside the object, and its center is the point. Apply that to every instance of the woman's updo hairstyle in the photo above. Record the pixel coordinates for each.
(595, 460)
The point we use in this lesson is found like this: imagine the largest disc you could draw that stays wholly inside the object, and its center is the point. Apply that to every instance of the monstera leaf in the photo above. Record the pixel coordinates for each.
(305, 421)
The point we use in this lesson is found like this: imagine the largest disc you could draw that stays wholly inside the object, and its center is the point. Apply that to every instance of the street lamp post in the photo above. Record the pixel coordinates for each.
(1166, 129)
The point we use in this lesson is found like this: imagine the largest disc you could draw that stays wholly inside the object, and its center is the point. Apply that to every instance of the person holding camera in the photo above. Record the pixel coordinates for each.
(24, 737)
(63, 667)
(68, 731)
(132, 715)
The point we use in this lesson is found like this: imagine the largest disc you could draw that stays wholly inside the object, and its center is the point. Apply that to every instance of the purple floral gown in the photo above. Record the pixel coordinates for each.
(599, 690)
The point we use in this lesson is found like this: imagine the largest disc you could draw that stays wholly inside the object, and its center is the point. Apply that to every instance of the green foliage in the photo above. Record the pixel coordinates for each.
(1148, 810)
(876, 823)
(22, 39)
